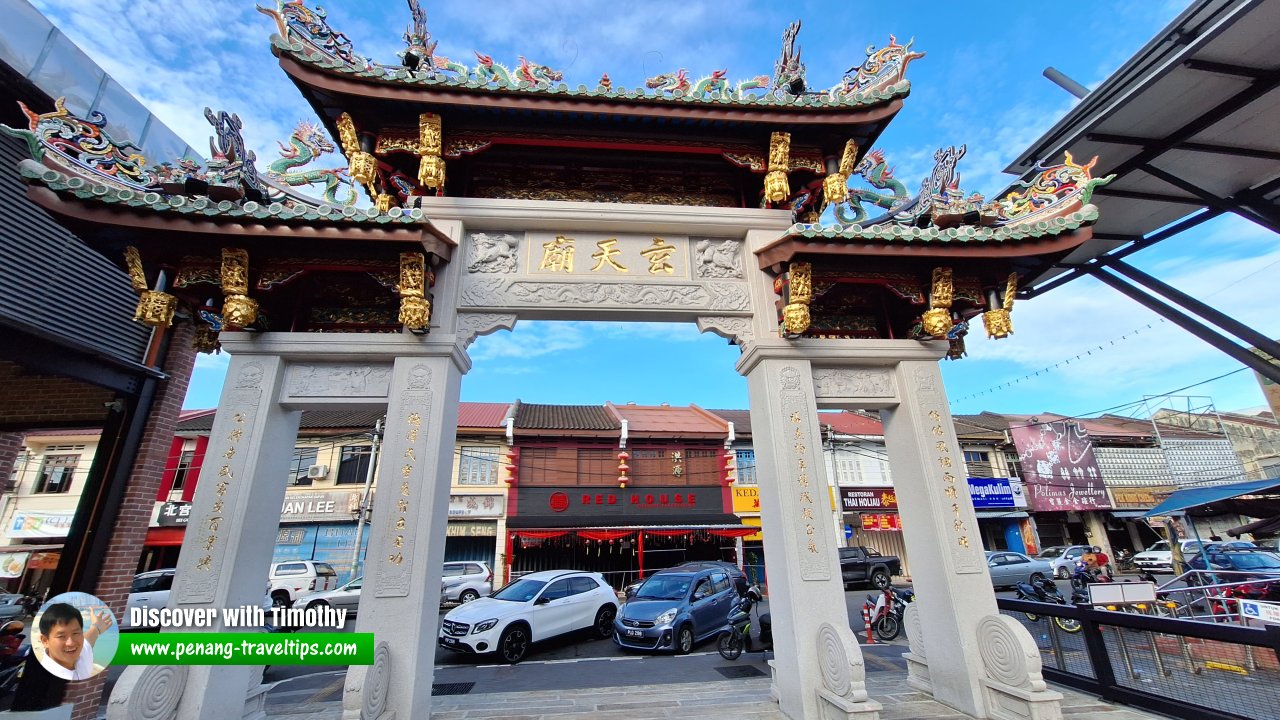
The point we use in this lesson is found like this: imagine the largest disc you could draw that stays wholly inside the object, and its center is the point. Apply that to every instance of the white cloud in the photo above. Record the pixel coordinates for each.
(530, 340)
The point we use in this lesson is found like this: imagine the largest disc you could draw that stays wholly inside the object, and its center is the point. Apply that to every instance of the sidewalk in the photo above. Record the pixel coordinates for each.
(739, 699)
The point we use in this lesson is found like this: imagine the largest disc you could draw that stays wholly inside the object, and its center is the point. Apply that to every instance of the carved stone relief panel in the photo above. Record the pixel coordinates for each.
(803, 481)
(492, 253)
(735, 328)
(853, 382)
(474, 325)
(717, 258)
(217, 509)
(946, 474)
(317, 380)
(578, 271)
(403, 478)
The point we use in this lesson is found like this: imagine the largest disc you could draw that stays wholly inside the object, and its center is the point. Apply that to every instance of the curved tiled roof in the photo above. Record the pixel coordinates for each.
(308, 55)
(964, 234)
(565, 417)
(206, 208)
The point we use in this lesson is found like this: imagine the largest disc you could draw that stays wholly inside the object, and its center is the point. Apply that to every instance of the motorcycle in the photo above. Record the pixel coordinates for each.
(14, 650)
(1046, 591)
(885, 612)
(736, 637)
(1084, 576)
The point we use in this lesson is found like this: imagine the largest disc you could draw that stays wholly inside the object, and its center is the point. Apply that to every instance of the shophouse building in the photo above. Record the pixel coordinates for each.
(1254, 438)
(999, 498)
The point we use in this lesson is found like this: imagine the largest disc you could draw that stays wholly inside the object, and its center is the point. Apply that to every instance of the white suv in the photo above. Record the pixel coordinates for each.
(150, 590)
(294, 579)
(538, 606)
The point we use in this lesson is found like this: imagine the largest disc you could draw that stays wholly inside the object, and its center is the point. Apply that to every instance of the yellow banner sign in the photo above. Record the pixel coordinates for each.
(746, 500)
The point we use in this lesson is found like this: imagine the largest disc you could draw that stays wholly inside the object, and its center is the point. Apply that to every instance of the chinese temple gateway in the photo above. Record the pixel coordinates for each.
(754, 207)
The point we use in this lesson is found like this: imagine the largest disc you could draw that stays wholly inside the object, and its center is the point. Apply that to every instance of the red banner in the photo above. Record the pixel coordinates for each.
(877, 522)
(1058, 466)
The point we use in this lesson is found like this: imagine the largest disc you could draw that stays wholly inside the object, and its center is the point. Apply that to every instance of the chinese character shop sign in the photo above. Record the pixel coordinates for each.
(868, 498)
(1061, 472)
(614, 504)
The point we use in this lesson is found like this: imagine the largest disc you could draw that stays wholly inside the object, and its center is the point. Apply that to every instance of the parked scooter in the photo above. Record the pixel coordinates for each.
(885, 611)
(1046, 591)
(736, 637)
(14, 649)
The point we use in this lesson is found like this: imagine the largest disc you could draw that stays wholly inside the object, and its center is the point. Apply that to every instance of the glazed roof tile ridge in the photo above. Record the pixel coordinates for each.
(963, 234)
(535, 416)
(401, 76)
(200, 206)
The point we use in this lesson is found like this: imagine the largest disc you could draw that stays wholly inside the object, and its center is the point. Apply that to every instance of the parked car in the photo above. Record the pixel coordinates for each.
(346, 597)
(149, 590)
(465, 581)
(292, 580)
(675, 609)
(1009, 568)
(736, 575)
(11, 606)
(1160, 557)
(1258, 563)
(1063, 558)
(862, 564)
(538, 606)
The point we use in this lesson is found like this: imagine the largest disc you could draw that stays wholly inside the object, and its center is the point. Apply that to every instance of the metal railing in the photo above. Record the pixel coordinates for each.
(1209, 595)
(1178, 667)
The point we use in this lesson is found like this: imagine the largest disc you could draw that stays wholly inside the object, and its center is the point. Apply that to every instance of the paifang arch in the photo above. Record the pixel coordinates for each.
(756, 210)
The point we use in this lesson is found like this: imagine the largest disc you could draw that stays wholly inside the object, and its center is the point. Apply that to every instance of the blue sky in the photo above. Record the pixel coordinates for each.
(979, 84)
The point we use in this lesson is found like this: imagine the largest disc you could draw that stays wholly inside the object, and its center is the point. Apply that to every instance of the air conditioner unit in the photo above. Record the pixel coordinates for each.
(318, 471)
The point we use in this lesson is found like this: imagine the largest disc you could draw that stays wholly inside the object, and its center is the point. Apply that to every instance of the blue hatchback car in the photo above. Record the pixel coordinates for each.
(675, 609)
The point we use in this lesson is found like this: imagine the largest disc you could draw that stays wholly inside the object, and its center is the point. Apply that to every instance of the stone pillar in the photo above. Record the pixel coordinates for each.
(940, 531)
(400, 601)
(226, 552)
(818, 666)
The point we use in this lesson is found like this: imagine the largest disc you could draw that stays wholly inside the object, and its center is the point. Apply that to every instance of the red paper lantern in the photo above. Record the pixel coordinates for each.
(513, 466)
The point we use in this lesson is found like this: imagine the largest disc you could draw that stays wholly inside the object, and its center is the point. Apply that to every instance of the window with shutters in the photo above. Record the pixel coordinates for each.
(56, 473)
(478, 465)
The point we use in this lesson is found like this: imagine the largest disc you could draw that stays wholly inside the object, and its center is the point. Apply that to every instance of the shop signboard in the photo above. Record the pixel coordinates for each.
(475, 506)
(320, 506)
(295, 543)
(637, 504)
(13, 564)
(991, 493)
(879, 522)
(29, 524)
(746, 499)
(471, 528)
(855, 499)
(1059, 466)
(174, 513)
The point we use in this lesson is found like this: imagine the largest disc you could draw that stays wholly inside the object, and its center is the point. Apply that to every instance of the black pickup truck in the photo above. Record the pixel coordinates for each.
(866, 565)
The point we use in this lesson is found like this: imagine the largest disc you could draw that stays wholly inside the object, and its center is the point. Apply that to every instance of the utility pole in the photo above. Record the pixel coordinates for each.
(364, 510)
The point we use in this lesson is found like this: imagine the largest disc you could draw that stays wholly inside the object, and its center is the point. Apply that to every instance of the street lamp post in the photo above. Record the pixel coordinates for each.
(364, 510)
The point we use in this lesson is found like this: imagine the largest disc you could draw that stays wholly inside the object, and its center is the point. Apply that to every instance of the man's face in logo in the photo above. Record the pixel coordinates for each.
(64, 643)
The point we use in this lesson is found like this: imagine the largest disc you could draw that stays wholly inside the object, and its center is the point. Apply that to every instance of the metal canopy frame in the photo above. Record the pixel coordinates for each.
(1187, 126)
